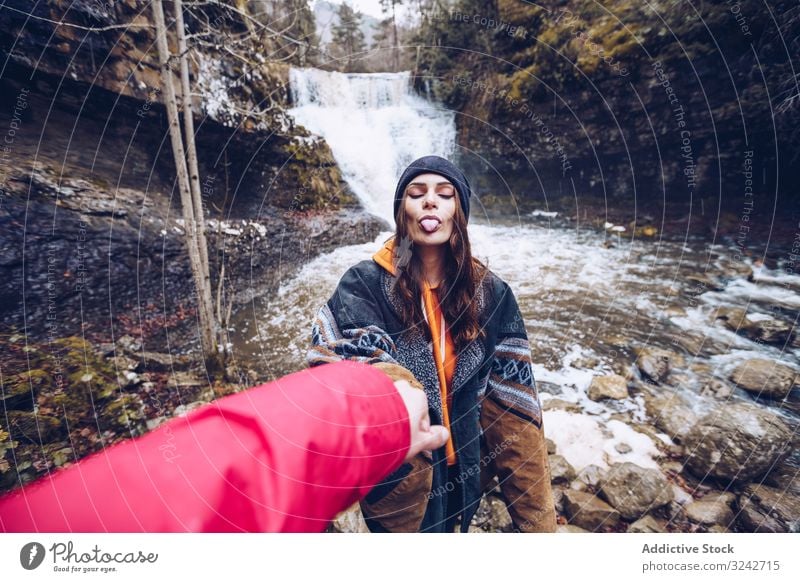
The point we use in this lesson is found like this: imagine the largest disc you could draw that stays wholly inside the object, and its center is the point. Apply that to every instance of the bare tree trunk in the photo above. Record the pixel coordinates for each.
(191, 150)
(201, 279)
(396, 51)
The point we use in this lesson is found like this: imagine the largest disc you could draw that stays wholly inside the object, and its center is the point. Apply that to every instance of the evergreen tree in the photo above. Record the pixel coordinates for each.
(389, 7)
(348, 36)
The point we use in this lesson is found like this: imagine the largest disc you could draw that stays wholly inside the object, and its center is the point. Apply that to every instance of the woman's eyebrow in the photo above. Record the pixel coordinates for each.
(425, 184)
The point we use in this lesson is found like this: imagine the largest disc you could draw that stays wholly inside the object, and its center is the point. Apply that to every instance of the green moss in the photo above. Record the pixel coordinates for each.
(124, 414)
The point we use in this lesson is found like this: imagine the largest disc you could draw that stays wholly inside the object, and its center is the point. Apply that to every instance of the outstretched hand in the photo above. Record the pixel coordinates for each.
(424, 437)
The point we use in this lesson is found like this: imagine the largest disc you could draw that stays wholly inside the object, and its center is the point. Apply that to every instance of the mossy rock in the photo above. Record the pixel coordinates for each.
(36, 428)
(124, 414)
(20, 390)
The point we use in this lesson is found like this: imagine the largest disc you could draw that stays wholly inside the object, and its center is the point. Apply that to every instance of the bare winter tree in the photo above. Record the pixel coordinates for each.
(185, 156)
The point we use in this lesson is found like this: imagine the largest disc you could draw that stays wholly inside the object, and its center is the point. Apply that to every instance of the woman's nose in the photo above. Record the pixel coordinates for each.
(430, 199)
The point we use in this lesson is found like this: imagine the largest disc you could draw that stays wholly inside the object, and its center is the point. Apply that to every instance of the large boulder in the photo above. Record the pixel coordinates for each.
(654, 363)
(633, 490)
(589, 512)
(670, 412)
(766, 509)
(765, 377)
(737, 442)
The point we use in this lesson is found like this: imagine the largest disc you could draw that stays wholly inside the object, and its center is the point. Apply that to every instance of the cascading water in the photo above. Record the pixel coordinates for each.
(375, 126)
(586, 306)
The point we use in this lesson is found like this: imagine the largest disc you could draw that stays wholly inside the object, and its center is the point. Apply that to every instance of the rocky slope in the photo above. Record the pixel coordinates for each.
(655, 106)
(90, 228)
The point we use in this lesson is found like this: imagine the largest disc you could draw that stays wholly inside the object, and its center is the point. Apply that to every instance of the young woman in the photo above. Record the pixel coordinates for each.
(425, 310)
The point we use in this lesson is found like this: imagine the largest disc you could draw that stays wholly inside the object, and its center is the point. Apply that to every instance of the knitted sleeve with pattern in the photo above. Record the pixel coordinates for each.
(349, 326)
(511, 420)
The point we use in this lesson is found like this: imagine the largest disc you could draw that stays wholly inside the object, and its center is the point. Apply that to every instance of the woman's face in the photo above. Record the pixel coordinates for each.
(430, 207)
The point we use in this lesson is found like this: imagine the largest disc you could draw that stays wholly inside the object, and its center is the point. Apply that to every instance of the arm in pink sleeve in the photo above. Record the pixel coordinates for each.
(283, 456)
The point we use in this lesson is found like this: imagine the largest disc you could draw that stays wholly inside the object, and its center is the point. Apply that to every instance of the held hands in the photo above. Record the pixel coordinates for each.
(424, 437)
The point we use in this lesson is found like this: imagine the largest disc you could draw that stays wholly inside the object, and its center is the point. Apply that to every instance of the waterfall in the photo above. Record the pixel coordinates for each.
(375, 126)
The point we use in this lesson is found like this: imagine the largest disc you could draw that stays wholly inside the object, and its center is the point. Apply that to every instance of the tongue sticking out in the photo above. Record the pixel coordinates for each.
(429, 224)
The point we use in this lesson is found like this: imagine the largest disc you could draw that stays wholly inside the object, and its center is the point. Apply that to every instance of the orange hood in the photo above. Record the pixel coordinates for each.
(385, 257)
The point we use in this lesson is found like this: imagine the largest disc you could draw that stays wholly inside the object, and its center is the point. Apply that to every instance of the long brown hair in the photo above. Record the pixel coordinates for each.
(463, 274)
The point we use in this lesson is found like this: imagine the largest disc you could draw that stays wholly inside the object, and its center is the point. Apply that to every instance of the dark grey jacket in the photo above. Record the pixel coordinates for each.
(360, 321)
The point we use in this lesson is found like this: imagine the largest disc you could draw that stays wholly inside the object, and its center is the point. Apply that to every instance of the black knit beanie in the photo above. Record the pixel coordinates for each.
(435, 165)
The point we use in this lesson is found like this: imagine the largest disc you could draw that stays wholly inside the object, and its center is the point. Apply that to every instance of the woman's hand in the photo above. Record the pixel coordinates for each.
(424, 437)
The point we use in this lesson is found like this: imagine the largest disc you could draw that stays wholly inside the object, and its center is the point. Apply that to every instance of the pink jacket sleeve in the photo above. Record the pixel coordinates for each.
(284, 456)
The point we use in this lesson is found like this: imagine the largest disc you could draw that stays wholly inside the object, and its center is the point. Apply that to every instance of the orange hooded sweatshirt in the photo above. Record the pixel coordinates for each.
(445, 358)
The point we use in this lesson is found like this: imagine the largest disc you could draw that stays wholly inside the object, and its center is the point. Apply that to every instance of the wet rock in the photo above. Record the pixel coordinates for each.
(670, 412)
(736, 442)
(732, 317)
(765, 377)
(766, 509)
(492, 515)
(716, 388)
(654, 363)
(674, 311)
(755, 326)
(611, 386)
(646, 524)
(591, 475)
(691, 343)
(768, 329)
(709, 513)
(560, 469)
(589, 512)
(623, 448)
(551, 446)
(701, 283)
(737, 270)
(633, 490)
